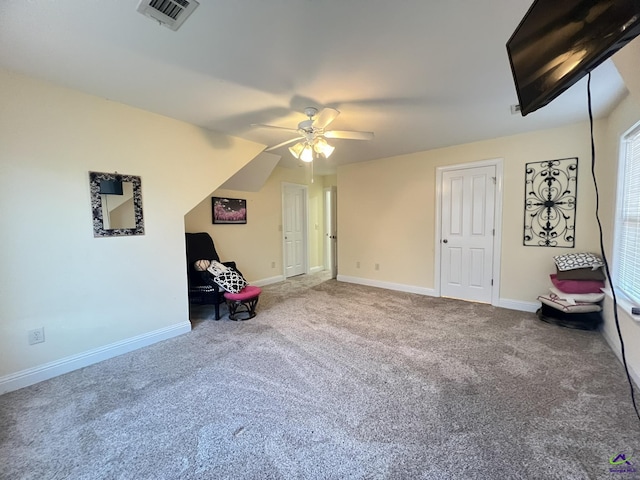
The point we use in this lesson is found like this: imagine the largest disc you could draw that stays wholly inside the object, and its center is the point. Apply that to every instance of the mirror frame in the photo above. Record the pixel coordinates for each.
(96, 205)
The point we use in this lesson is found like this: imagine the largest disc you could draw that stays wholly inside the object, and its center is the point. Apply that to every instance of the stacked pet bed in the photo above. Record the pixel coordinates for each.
(575, 296)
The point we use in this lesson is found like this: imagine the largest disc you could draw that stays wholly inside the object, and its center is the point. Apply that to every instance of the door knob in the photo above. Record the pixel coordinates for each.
(445, 241)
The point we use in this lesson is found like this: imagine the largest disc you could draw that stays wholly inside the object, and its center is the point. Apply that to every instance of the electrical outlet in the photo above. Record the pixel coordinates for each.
(36, 335)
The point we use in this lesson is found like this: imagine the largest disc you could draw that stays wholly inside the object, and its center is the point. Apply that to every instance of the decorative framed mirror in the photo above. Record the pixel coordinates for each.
(116, 204)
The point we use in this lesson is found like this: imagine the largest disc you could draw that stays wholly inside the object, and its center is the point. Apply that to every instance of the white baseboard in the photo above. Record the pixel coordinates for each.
(399, 287)
(30, 376)
(503, 303)
(518, 305)
(614, 344)
(268, 281)
(280, 278)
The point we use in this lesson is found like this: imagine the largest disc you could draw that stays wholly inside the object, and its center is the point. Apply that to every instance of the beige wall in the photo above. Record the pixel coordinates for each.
(386, 212)
(622, 119)
(54, 273)
(330, 181)
(257, 246)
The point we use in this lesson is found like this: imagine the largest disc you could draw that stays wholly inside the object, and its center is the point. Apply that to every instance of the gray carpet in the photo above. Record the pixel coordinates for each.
(334, 380)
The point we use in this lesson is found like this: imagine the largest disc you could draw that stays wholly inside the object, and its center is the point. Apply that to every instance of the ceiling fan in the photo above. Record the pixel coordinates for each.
(312, 134)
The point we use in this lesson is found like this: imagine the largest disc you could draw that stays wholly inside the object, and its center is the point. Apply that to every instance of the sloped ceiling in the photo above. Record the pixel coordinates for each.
(420, 74)
(254, 174)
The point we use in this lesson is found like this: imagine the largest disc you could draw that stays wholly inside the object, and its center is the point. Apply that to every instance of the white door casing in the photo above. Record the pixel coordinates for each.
(466, 230)
(330, 231)
(294, 226)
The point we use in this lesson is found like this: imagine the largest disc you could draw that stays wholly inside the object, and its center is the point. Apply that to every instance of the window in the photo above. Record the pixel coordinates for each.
(627, 239)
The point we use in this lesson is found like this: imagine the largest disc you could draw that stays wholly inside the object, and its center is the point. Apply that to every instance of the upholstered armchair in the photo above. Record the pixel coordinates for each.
(202, 289)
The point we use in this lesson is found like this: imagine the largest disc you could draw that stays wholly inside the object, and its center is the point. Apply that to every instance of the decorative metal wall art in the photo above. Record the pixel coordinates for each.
(550, 203)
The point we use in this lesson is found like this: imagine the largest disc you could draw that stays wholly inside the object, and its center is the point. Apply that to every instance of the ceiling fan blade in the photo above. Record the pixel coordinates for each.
(273, 127)
(325, 117)
(283, 144)
(349, 135)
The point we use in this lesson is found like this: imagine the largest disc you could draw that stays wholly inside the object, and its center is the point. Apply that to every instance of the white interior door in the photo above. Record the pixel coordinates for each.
(467, 233)
(294, 229)
(330, 231)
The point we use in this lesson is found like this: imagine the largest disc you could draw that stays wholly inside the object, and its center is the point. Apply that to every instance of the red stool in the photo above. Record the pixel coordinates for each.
(242, 305)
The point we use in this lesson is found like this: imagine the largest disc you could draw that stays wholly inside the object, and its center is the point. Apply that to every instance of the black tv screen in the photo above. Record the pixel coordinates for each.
(559, 41)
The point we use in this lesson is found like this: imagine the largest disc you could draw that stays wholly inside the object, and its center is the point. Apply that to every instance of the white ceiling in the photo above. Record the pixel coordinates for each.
(421, 74)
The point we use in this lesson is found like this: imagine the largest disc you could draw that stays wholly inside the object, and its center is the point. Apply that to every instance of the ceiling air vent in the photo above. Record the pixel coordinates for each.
(170, 13)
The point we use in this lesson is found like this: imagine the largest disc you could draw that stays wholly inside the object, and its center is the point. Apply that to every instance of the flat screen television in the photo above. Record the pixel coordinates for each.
(559, 41)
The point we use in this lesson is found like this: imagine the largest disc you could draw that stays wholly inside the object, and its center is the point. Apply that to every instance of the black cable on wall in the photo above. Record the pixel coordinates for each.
(602, 251)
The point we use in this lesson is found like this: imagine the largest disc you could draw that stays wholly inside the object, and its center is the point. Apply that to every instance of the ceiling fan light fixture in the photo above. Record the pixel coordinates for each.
(313, 132)
(307, 154)
(297, 149)
(323, 148)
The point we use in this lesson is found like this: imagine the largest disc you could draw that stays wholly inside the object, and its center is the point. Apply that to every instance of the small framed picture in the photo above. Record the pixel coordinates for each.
(228, 210)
